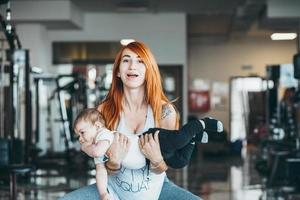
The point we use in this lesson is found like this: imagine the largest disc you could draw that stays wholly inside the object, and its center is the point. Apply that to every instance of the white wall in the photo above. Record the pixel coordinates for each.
(164, 33)
(35, 38)
(219, 62)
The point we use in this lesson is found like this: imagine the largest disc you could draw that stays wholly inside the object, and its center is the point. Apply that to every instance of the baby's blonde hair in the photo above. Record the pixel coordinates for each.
(91, 115)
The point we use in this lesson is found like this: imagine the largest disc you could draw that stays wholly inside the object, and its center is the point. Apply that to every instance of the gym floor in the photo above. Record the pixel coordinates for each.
(211, 175)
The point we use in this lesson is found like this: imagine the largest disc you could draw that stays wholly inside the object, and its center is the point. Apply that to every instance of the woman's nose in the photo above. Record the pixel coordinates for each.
(132, 65)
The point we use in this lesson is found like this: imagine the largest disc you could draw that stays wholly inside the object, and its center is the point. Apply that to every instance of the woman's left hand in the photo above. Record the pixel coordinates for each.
(149, 146)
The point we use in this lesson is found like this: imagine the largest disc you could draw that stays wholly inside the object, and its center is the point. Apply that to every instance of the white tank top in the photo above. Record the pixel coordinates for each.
(133, 182)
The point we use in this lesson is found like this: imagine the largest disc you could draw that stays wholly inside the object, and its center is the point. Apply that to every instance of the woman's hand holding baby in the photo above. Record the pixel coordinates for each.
(149, 146)
(117, 151)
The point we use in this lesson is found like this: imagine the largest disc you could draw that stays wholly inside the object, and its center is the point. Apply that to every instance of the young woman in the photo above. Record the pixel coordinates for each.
(95, 139)
(136, 91)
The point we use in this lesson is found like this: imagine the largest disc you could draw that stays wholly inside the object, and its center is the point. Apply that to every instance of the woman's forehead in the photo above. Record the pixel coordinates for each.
(130, 53)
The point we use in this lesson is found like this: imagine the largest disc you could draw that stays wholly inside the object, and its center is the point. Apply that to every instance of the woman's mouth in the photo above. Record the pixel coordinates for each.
(132, 75)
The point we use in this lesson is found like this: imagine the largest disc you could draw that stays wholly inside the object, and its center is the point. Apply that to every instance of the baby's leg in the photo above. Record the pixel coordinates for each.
(176, 139)
(181, 157)
(212, 125)
(176, 145)
(209, 126)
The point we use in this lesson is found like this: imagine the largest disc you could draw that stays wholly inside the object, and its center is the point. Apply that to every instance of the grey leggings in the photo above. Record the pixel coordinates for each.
(169, 191)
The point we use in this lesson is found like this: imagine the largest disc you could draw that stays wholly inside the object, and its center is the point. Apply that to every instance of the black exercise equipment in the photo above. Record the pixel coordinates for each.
(296, 61)
(15, 134)
(279, 158)
(4, 1)
(13, 171)
(12, 163)
(273, 74)
(77, 89)
(296, 58)
(67, 95)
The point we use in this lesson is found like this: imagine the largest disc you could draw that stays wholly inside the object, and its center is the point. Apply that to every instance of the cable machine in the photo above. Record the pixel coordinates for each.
(16, 94)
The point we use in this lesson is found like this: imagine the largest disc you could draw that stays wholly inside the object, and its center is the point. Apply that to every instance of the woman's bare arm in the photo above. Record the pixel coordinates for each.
(149, 144)
(168, 117)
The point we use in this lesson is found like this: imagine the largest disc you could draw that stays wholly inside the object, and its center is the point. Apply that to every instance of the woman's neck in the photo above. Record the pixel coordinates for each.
(134, 99)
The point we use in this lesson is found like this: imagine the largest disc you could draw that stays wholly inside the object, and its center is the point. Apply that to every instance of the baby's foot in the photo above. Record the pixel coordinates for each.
(208, 126)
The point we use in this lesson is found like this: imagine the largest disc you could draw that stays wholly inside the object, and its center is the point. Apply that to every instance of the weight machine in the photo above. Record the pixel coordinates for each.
(15, 105)
(279, 160)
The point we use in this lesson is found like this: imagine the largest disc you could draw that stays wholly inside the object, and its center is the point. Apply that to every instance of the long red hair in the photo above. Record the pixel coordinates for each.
(111, 107)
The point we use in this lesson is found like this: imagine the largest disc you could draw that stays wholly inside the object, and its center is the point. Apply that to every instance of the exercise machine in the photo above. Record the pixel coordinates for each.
(15, 105)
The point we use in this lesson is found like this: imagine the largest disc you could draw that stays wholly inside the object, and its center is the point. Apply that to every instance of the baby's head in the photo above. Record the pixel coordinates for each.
(88, 124)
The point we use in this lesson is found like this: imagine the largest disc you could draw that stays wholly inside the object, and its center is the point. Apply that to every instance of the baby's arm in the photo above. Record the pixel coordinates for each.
(96, 150)
(101, 181)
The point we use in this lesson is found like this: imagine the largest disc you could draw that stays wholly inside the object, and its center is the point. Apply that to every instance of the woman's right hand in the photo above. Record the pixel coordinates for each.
(117, 151)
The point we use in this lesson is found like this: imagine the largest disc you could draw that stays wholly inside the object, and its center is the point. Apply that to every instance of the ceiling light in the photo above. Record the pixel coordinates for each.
(283, 36)
(124, 42)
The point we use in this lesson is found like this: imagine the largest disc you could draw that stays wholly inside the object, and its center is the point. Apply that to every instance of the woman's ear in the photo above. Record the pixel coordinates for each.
(118, 74)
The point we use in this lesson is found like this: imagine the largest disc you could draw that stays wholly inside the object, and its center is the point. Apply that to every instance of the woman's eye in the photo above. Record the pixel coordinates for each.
(125, 60)
(140, 61)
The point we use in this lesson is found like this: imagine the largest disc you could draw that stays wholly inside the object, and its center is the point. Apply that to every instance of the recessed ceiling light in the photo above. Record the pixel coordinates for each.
(124, 42)
(283, 36)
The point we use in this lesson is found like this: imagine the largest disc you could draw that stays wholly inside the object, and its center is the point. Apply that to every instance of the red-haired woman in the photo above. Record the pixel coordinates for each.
(134, 104)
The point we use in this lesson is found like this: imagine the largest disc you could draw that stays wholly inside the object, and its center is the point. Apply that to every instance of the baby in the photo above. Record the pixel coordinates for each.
(176, 145)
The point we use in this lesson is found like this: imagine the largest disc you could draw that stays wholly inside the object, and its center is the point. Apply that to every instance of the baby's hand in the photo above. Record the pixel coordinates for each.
(106, 196)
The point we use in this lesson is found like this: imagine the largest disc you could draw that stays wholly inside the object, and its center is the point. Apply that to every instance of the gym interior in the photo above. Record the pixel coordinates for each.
(236, 60)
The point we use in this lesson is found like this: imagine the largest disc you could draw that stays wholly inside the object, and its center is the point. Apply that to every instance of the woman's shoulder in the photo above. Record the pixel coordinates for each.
(168, 116)
(167, 109)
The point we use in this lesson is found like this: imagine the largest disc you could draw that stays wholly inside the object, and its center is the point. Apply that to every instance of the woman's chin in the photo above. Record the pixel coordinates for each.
(133, 86)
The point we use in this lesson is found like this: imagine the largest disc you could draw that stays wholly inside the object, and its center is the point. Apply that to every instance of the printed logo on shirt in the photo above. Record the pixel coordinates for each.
(139, 181)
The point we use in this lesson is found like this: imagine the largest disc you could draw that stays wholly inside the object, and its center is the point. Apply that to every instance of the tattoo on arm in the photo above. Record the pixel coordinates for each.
(165, 111)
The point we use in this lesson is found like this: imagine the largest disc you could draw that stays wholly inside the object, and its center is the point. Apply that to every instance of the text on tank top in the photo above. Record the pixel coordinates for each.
(133, 182)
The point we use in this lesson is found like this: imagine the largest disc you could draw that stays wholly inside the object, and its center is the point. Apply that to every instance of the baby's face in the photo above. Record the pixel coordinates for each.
(86, 131)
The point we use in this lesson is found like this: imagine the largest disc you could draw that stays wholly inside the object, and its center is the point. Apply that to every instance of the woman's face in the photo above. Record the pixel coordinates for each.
(132, 69)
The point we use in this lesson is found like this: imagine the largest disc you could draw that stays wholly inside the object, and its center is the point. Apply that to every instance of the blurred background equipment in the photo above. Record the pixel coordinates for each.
(280, 151)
